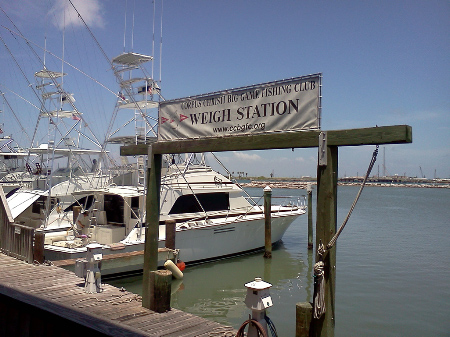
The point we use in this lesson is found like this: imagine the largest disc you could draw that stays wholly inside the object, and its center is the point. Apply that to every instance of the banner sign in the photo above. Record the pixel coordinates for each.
(286, 105)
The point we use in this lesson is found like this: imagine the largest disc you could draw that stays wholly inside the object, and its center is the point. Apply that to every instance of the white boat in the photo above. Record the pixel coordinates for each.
(213, 218)
(55, 169)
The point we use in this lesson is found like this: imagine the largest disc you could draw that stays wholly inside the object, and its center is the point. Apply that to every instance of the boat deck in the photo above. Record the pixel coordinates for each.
(59, 293)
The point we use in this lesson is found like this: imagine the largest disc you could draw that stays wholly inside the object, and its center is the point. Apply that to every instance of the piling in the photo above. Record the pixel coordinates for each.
(152, 228)
(160, 283)
(303, 313)
(310, 216)
(326, 223)
(38, 247)
(267, 222)
(170, 233)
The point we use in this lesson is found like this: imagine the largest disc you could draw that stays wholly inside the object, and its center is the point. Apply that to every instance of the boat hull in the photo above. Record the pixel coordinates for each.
(229, 239)
(223, 239)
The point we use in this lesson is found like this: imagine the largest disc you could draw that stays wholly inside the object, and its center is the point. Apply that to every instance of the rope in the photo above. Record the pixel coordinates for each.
(319, 290)
(369, 169)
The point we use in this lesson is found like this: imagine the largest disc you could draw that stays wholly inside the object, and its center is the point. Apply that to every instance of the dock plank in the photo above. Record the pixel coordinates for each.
(112, 312)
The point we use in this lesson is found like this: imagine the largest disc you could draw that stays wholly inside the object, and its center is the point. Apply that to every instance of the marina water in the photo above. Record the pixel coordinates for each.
(393, 268)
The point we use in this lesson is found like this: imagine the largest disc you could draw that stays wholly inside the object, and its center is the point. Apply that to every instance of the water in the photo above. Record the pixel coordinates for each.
(393, 269)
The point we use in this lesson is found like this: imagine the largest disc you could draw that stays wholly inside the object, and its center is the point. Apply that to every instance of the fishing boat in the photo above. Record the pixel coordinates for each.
(214, 219)
(57, 168)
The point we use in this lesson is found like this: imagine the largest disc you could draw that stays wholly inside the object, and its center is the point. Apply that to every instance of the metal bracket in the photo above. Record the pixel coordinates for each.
(323, 148)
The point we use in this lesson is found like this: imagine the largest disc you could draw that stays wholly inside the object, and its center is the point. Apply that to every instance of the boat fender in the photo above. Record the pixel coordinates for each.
(176, 272)
(181, 265)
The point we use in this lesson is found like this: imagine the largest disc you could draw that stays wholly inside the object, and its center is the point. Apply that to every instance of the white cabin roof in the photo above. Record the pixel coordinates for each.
(123, 191)
(21, 200)
(44, 73)
(44, 148)
(15, 154)
(62, 114)
(130, 140)
(131, 59)
(145, 104)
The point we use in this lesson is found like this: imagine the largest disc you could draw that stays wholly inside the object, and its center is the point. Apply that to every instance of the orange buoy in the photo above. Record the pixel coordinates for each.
(181, 265)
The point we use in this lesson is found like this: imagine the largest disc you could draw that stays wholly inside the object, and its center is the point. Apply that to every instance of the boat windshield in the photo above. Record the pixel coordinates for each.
(209, 201)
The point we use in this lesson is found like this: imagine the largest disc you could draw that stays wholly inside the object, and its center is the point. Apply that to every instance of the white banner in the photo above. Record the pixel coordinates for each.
(286, 105)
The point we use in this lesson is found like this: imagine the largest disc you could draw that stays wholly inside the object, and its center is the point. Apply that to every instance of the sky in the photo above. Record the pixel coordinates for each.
(383, 63)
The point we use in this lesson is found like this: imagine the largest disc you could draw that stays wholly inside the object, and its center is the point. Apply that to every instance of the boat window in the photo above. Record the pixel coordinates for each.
(210, 202)
(40, 203)
(10, 193)
(85, 202)
(113, 206)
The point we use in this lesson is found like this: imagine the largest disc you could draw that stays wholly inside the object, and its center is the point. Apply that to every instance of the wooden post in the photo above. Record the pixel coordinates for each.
(325, 229)
(268, 222)
(161, 281)
(152, 225)
(310, 217)
(303, 314)
(38, 247)
(170, 233)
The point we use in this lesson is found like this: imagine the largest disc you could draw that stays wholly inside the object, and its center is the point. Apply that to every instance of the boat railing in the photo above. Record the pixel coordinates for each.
(203, 221)
(289, 202)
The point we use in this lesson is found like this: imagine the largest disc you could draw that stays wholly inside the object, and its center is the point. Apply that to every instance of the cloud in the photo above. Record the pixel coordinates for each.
(247, 157)
(64, 14)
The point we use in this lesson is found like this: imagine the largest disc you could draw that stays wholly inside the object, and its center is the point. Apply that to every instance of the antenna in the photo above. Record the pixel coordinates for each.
(153, 35)
(132, 27)
(125, 26)
(160, 46)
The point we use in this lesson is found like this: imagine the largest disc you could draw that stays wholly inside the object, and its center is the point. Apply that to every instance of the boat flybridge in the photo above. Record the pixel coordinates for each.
(135, 117)
(137, 93)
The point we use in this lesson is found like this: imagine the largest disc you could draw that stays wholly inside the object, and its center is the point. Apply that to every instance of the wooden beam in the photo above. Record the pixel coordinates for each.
(134, 150)
(395, 134)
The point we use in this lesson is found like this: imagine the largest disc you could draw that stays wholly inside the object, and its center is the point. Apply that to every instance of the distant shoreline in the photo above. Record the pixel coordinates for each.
(289, 184)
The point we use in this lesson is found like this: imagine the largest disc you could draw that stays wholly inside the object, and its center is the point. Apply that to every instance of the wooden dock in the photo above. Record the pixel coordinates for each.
(45, 300)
